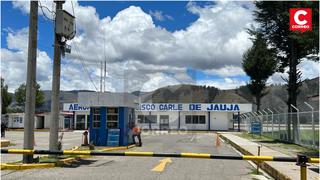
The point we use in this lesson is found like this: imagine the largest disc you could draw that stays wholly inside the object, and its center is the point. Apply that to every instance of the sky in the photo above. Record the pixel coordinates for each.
(146, 45)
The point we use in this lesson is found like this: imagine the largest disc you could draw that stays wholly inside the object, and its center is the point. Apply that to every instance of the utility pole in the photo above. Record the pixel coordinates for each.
(54, 124)
(104, 77)
(31, 82)
(101, 69)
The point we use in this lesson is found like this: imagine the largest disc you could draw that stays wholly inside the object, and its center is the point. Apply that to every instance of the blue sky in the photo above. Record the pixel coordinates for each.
(150, 44)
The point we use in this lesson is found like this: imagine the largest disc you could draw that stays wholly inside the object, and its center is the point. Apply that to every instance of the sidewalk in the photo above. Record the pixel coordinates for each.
(278, 170)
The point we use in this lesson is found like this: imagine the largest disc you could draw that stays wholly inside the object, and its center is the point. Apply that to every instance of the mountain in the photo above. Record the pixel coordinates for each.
(184, 93)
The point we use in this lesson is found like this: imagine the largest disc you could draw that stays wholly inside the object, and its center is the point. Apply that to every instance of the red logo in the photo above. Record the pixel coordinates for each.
(300, 19)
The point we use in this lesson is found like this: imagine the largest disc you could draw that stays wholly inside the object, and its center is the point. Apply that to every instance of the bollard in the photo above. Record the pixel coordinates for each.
(85, 138)
(302, 162)
(258, 163)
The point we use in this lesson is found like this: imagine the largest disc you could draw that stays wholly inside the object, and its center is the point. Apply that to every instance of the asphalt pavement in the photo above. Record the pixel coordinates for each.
(140, 167)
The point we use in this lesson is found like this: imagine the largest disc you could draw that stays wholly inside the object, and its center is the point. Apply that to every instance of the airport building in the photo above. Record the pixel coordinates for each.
(156, 116)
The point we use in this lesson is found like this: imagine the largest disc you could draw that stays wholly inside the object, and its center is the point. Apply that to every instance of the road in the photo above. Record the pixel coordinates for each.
(140, 167)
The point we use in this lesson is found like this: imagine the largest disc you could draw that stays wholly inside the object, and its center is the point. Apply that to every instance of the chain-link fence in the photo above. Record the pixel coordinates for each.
(275, 125)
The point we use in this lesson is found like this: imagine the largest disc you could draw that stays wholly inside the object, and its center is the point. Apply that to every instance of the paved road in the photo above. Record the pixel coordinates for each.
(70, 139)
(140, 167)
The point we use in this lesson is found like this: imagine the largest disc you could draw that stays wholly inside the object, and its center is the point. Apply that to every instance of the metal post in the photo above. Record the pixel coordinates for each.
(313, 125)
(28, 140)
(238, 117)
(302, 162)
(297, 135)
(267, 120)
(258, 163)
(271, 122)
(279, 118)
(54, 124)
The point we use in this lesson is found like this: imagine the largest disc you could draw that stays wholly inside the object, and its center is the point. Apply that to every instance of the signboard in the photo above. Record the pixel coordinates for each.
(74, 107)
(195, 107)
(255, 127)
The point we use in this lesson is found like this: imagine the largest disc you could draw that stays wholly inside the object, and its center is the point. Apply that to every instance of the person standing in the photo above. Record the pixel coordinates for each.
(3, 129)
(136, 132)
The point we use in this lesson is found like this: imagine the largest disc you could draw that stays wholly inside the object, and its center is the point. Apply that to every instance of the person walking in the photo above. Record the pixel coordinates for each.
(136, 132)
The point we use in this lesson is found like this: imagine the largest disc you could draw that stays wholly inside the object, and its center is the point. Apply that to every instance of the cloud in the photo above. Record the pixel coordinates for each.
(158, 15)
(309, 70)
(14, 61)
(225, 83)
(143, 56)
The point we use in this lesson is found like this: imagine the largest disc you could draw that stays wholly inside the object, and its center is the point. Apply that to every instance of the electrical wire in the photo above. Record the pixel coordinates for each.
(41, 7)
(83, 66)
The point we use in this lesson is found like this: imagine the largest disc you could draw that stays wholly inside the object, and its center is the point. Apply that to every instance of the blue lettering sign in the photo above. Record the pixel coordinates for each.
(236, 108)
(193, 107)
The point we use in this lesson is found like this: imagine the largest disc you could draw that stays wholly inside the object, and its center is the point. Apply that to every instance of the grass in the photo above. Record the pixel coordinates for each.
(285, 147)
(255, 172)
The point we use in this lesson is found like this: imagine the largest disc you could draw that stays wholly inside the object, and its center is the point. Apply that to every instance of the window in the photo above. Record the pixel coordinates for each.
(188, 119)
(112, 118)
(202, 120)
(96, 117)
(88, 121)
(147, 118)
(80, 121)
(195, 119)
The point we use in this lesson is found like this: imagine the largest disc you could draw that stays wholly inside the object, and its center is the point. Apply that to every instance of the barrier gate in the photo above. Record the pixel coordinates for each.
(301, 160)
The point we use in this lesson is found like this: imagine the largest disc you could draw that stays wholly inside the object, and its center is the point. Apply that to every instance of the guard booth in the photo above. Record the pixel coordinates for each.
(111, 126)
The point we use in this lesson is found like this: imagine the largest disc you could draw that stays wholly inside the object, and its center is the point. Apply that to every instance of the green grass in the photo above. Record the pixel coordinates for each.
(285, 147)
(254, 171)
(306, 136)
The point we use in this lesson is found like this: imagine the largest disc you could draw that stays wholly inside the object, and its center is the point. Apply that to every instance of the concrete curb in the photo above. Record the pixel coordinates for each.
(26, 166)
(263, 165)
(6, 166)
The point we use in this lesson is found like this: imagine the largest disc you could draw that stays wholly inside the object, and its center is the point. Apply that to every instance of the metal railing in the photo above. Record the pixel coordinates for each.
(275, 125)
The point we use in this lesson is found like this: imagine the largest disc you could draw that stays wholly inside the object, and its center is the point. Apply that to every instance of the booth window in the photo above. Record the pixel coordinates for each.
(96, 118)
(147, 118)
(112, 118)
(195, 119)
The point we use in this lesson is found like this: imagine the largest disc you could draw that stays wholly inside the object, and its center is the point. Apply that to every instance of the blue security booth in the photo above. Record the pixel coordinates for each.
(111, 126)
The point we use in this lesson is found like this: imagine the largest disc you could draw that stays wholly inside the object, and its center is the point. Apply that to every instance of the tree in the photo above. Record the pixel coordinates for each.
(291, 47)
(5, 97)
(20, 95)
(259, 63)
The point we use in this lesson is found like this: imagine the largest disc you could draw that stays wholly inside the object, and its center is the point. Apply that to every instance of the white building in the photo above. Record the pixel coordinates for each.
(164, 116)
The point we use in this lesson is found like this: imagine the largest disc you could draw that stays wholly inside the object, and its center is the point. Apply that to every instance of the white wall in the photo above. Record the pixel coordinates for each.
(218, 120)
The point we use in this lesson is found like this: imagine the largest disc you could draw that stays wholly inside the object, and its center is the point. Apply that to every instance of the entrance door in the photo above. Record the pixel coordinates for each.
(80, 122)
(164, 122)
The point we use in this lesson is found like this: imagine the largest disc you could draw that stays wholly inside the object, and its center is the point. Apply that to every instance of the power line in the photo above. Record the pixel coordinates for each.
(41, 7)
(83, 66)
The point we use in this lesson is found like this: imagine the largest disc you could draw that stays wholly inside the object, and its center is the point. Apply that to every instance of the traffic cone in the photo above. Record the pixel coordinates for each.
(218, 140)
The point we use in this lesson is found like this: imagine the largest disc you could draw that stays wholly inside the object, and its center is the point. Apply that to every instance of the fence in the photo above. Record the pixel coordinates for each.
(275, 126)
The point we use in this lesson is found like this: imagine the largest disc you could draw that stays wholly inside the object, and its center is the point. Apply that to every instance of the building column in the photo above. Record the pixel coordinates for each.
(179, 120)
(209, 121)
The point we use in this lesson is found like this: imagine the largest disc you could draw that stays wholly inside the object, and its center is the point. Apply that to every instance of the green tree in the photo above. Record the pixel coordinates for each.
(20, 95)
(5, 97)
(291, 46)
(259, 64)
